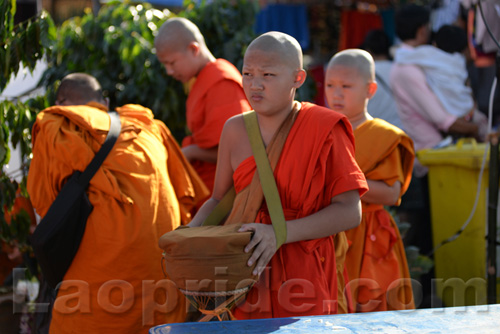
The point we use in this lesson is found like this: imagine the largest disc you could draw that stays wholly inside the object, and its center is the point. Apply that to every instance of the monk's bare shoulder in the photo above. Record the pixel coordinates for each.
(235, 140)
(235, 124)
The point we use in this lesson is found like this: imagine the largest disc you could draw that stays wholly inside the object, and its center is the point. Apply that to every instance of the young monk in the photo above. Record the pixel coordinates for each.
(376, 261)
(311, 151)
(215, 96)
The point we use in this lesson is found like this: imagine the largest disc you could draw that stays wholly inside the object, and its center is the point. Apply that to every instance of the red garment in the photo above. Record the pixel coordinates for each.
(316, 164)
(354, 25)
(318, 74)
(376, 260)
(216, 95)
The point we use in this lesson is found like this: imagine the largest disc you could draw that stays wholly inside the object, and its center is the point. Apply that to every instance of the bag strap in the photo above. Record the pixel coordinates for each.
(109, 142)
(266, 177)
(221, 209)
(267, 181)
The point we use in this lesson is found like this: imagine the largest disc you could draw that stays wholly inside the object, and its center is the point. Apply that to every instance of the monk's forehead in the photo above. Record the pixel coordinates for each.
(177, 32)
(357, 59)
(279, 45)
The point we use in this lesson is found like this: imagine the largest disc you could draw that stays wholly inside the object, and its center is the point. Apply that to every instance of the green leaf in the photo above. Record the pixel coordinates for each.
(4, 145)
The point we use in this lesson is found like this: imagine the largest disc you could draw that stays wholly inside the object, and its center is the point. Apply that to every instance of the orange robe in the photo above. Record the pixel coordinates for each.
(317, 163)
(115, 283)
(376, 260)
(216, 95)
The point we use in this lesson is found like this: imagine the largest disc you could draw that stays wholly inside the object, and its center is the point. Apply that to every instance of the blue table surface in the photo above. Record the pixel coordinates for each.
(479, 319)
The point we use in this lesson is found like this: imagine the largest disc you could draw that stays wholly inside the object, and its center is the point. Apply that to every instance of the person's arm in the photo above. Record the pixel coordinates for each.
(223, 173)
(203, 212)
(380, 192)
(463, 127)
(342, 214)
(194, 152)
(413, 83)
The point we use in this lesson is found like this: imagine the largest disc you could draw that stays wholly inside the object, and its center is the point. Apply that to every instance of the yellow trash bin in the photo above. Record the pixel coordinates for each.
(460, 265)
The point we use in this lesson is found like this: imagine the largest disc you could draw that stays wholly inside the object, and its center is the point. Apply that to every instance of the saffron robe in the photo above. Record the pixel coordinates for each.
(376, 260)
(316, 164)
(216, 95)
(115, 283)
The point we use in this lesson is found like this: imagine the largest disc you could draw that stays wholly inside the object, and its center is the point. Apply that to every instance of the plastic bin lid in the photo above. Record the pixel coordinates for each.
(465, 153)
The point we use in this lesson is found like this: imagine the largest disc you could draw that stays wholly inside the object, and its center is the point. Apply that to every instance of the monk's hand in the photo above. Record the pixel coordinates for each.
(263, 243)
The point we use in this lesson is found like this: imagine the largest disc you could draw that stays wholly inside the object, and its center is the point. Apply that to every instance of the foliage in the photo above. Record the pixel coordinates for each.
(115, 46)
(418, 264)
(227, 26)
(24, 44)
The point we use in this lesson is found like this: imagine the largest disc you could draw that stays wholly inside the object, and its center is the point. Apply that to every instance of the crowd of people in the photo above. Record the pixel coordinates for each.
(337, 169)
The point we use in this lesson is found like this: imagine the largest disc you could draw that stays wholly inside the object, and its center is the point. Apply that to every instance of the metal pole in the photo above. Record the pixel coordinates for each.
(492, 220)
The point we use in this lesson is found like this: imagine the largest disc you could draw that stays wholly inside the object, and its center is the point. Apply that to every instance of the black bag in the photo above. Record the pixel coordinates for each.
(57, 238)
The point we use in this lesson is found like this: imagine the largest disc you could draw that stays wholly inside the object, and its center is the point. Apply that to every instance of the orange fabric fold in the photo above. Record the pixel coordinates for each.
(248, 200)
(316, 163)
(115, 283)
(216, 95)
(376, 260)
(188, 185)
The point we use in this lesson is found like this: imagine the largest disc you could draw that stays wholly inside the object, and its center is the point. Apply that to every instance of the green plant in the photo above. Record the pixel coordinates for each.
(227, 26)
(116, 47)
(418, 264)
(24, 44)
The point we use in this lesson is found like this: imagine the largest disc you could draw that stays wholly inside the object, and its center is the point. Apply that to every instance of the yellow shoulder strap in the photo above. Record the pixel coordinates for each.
(266, 177)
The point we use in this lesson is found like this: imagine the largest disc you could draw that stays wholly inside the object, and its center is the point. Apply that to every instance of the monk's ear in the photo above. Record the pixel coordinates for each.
(106, 102)
(372, 89)
(194, 47)
(300, 77)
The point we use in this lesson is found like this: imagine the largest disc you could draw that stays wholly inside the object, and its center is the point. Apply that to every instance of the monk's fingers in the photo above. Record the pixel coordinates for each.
(264, 259)
(256, 237)
(264, 241)
(248, 227)
(256, 254)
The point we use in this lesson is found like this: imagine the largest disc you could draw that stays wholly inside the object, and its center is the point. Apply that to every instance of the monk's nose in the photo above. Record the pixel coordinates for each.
(337, 92)
(169, 69)
(256, 84)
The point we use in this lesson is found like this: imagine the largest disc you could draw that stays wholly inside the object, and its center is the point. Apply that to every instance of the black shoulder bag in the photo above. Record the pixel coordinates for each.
(57, 238)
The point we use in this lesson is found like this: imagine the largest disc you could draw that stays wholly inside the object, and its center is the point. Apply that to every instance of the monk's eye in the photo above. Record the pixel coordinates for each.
(269, 74)
(246, 74)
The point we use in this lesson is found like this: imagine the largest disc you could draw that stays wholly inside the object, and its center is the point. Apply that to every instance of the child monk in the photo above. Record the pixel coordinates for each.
(311, 151)
(215, 96)
(376, 261)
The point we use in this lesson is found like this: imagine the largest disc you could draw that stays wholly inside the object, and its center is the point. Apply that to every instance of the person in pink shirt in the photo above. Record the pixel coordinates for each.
(425, 120)
(423, 116)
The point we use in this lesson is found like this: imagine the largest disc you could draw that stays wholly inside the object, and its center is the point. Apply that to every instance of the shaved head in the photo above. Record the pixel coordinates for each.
(177, 33)
(79, 89)
(359, 59)
(283, 46)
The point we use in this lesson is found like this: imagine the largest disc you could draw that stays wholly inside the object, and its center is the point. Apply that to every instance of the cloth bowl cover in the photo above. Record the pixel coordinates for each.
(208, 258)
